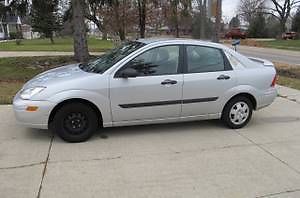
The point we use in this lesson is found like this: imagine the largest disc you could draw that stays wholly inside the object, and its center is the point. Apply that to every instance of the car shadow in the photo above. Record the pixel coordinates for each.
(201, 126)
(158, 128)
(105, 133)
(280, 119)
(39, 134)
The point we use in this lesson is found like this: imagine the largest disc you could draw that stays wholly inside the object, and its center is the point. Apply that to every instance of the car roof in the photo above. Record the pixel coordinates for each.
(179, 41)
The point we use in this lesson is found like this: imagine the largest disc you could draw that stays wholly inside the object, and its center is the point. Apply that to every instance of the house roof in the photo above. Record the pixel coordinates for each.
(11, 20)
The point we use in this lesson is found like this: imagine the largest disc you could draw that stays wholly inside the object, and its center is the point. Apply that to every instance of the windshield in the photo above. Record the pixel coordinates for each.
(107, 60)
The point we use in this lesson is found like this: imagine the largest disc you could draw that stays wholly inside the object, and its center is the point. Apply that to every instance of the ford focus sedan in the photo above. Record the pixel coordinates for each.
(145, 82)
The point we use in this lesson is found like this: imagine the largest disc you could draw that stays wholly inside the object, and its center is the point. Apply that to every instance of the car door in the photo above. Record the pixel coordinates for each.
(154, 92)
(207, 76)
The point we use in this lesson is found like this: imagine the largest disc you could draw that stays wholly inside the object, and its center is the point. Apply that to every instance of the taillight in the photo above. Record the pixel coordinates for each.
(274, 81)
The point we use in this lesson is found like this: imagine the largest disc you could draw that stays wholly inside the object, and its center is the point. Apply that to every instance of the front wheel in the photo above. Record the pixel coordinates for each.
(237, 112)
(75, 122)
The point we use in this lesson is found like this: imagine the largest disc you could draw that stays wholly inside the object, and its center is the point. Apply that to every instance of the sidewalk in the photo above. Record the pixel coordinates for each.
(4, 54)
(289, 93)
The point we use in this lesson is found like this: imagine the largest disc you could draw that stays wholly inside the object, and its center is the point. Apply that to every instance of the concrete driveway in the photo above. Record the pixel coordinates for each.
(197, 159)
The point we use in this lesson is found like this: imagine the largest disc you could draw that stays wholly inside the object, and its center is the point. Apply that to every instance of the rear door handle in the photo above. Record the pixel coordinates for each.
(223, 77)
(169, 82)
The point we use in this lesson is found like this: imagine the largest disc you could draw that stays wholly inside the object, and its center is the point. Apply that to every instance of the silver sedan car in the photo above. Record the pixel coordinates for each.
(145, 82)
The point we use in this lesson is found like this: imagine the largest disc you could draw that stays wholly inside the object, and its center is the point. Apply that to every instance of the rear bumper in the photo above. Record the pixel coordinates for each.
(38, 119)
(266, 98)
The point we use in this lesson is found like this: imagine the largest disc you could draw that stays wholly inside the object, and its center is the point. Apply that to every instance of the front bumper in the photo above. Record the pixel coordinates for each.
(37, 119)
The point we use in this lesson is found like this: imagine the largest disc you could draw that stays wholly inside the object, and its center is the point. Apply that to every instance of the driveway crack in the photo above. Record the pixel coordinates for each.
(22, 166)
(269, 153)
(278, 193)
(45, 166)
(87, 160)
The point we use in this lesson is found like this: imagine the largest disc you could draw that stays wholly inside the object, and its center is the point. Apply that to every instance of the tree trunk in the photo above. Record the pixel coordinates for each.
(104, 34)
(102, 29)
(81, 53)
(142, 17)
(51, 39)
(216, 36)
(203, 20)
(122, 34)
(19, 34)
(175, 15)
(282, 26)
(120, 24)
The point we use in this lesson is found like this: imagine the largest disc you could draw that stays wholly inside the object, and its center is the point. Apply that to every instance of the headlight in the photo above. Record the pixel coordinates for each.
(26, 94)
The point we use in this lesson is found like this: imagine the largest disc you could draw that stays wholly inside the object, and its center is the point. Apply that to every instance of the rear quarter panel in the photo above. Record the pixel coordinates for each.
(257, 81)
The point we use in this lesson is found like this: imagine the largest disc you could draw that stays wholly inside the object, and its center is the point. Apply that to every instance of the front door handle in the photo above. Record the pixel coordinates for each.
(223, 77)
(169, 82)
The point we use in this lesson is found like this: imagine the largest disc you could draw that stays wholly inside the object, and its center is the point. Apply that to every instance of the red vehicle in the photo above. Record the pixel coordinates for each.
(235, 33)
(289, 35)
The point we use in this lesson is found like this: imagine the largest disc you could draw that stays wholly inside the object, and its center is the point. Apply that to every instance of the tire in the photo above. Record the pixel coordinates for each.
(75, 122)
(237, 112)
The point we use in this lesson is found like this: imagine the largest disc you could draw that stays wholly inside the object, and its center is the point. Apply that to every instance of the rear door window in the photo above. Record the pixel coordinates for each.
(202, 59)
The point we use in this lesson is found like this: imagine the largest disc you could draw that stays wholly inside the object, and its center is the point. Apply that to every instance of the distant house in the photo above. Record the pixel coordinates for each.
(8, 23)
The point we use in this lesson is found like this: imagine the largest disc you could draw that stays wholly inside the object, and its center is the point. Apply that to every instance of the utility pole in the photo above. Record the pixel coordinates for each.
(216, 35)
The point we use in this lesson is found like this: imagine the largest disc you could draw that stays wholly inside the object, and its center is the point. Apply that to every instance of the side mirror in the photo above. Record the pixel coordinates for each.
(128, 73)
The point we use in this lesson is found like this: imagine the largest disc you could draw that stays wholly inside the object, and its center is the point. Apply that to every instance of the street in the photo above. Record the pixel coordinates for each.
(195, 159)
(275, 55)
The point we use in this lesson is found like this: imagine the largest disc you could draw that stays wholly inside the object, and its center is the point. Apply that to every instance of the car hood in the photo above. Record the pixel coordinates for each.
(57, 75)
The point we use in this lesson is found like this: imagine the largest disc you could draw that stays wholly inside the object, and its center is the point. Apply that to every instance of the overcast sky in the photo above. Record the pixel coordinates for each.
(229, 9)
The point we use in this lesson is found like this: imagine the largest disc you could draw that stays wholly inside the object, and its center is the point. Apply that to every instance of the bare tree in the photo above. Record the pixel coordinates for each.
(249, 8)
(142, 17)
(94, 11)
(282, 11)
(81, 52)
(202, 7)
(180, 12)
(175, 20)
(119, 17)
(216, 35)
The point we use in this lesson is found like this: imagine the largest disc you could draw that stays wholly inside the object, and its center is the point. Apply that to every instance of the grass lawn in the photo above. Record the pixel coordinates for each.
(289, 82)
(289, 75)
(14, 72)
(60, 45)
(282, 44)
(8, 90)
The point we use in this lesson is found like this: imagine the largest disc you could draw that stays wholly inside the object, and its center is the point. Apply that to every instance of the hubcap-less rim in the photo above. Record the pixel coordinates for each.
(75, 123)
(239, 113)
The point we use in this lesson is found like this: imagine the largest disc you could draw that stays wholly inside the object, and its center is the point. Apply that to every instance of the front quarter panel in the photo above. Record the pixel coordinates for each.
(94, 88)
(101, 100)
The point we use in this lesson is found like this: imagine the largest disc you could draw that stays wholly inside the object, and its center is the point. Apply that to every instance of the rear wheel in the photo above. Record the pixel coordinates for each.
(75, 122)
(237, 112)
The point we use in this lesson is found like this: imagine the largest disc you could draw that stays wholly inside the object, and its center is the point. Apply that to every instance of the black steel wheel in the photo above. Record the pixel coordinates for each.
(75, 122)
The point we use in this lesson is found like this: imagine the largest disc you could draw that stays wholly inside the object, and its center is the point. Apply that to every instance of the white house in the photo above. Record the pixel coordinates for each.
(9, 22)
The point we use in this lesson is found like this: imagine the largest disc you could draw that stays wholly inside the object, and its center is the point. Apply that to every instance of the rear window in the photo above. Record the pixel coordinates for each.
(234, 61)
